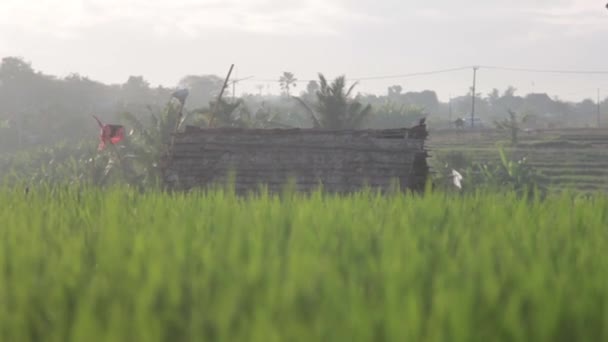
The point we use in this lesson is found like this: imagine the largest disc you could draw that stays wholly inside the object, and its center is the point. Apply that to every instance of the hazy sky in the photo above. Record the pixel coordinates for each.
(163, 40)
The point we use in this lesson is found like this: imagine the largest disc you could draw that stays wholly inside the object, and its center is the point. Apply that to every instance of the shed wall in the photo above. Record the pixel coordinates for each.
(342, 161)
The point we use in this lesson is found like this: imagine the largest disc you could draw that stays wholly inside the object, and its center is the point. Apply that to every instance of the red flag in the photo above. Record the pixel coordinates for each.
(112, 134)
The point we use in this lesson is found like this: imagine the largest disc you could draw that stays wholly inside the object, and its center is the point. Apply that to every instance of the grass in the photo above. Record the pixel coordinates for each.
(119, 266)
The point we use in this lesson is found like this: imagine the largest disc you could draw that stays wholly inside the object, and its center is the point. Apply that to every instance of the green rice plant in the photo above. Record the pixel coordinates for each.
(83, 264)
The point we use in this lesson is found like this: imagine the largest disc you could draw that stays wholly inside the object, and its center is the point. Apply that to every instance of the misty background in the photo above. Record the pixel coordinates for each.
(110, 40)
(64, 61)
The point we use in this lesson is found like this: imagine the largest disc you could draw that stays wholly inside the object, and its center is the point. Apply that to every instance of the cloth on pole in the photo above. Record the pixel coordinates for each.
(110, 134)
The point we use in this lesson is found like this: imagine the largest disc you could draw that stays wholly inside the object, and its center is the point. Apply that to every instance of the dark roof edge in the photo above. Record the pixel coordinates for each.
(417, 132)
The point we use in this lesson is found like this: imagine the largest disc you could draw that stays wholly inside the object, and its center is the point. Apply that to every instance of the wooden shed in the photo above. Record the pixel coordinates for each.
(341, 160)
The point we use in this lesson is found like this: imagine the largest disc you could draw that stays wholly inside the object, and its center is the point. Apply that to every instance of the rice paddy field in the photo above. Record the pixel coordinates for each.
(570, 159)
(115, 265)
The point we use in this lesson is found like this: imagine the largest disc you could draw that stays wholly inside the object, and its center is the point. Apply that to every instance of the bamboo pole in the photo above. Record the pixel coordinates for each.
(219, 98)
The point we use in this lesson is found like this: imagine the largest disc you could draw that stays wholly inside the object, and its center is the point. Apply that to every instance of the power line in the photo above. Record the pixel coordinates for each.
(442, 71)
(368, 78)
(473, 96)
(412, 74)
(547, 71)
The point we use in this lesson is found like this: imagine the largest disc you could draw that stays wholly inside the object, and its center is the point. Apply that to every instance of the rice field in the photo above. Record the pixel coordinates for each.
(115, 265)
(572, 159)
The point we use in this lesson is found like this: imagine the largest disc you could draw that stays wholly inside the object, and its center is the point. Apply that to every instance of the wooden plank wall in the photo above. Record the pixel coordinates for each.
(342, 160)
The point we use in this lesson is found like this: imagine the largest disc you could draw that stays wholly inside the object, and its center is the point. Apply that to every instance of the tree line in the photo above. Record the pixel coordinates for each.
(39, 109)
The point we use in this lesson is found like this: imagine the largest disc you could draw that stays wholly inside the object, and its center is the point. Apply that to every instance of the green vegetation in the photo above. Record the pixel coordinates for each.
(552, 155)
(287, 81)
(505, 174)
(92, 265)
(334, 108)
(93, 251)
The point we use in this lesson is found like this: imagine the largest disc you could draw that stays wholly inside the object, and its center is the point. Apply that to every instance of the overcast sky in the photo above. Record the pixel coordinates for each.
(163, 40)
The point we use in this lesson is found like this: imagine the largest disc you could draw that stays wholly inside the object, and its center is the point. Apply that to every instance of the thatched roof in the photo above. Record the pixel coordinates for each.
(341, 160)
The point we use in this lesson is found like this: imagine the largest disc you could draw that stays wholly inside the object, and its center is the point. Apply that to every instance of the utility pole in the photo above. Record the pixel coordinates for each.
(234, 82)
(598, 107)
(450, 110)
(19, 126)
(473, 95)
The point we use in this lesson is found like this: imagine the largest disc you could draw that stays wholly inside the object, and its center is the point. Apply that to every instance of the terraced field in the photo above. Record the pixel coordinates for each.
(568, 158)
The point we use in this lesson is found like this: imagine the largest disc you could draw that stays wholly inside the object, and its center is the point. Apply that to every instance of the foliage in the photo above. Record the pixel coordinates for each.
(236, 114)
(394, 91)
(508, 174)
(46, 110)
(504, 175)
(221, 114)
(513, 125)
(62, 163)
(443, 163)
(267, 117)
(392, 115)
(40, 109)
(136, 161)
(312, 87)
(203, 89)
(287, 81)
(451, 159)
(87, 265)
(334, 109)
(148, 143)
(274, 114)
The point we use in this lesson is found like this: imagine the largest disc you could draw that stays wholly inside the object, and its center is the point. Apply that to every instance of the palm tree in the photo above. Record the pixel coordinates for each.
(287, 80)
(334, 108)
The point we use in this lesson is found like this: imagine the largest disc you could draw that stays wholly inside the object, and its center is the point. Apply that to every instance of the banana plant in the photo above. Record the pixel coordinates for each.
(149, 140)
(510, 174)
